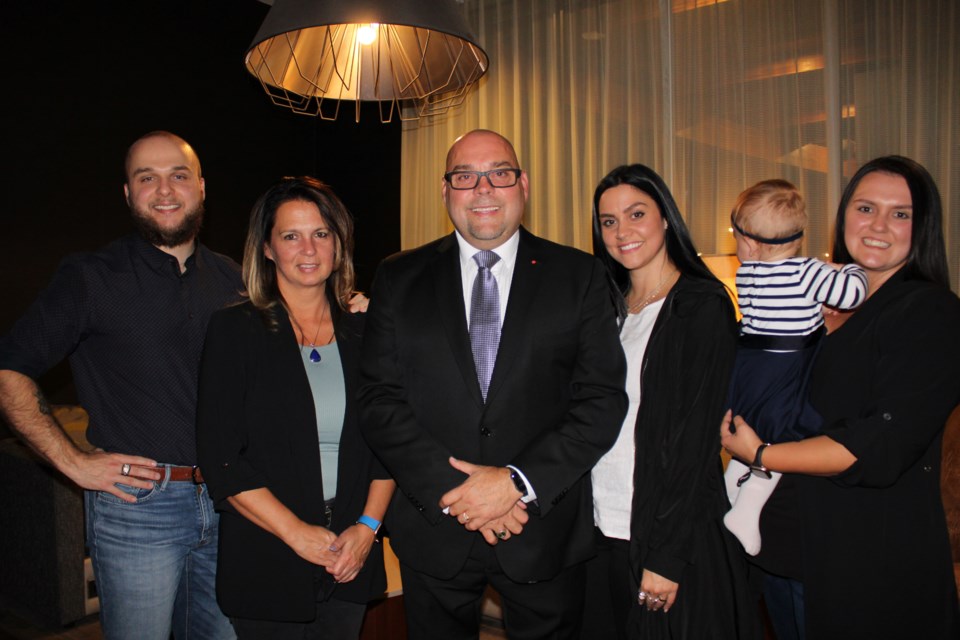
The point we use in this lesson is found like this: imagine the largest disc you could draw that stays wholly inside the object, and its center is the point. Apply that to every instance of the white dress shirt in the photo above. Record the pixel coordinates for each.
(502, 271)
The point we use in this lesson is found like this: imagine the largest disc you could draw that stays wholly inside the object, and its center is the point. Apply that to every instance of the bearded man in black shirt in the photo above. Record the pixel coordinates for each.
(131, 317)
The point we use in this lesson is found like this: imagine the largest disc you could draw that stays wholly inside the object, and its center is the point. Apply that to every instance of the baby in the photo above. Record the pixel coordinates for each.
(780, 296)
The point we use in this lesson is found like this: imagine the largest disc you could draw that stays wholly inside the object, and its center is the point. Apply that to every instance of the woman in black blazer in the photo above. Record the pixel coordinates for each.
(299, 493)
(855, 542)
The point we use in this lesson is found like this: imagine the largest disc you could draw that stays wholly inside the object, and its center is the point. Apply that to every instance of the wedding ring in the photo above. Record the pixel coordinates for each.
(501, 534)
(125, 469)
(466, 518)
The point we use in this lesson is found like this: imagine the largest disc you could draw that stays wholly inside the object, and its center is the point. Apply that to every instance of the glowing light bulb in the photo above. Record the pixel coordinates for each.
(367, 33)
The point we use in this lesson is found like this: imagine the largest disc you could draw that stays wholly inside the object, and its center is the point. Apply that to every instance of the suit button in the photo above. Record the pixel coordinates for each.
(927, 468)
(887, 416)
(485, 432)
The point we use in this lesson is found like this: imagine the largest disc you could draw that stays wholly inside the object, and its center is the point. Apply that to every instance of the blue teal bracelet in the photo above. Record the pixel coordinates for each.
(373, 523)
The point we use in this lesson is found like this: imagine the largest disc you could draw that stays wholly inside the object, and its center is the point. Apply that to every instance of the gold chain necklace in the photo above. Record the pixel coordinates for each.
(636, 307)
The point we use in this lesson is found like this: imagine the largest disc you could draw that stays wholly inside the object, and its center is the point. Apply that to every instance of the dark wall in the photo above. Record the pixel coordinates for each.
(85, 79)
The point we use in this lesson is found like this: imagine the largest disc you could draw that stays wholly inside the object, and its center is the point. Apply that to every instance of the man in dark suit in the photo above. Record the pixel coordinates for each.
(491, 385)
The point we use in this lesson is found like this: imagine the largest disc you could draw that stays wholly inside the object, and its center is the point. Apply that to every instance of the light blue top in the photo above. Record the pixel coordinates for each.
(330, 402)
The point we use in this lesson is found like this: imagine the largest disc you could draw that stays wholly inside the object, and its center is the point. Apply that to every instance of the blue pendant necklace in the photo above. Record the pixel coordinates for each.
(314, 354)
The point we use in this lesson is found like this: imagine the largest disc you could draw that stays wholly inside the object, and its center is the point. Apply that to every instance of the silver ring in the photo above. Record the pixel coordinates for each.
(641, 596)
(501, 534)
(125, 469)
(466, 518)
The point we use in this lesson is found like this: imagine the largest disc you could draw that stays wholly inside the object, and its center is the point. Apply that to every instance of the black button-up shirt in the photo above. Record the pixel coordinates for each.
(133, 327)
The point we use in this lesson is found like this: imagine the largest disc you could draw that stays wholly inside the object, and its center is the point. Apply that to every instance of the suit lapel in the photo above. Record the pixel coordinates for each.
(516, 326)
(448, 287)
(285, 348)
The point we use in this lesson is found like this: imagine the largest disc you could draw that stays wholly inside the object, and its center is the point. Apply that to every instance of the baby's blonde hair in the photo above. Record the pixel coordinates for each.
(771, 209)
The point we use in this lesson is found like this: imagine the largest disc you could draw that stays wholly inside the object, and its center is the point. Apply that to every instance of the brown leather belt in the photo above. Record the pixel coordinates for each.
(179, 474)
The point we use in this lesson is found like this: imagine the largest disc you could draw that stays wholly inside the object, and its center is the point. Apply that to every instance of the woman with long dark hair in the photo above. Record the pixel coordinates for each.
(666, 562)
(855, 541)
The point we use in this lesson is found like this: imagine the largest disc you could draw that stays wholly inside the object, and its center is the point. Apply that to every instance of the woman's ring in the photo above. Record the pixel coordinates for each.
(125, 469)
(466, 518)
(641, 596)
(501, 534)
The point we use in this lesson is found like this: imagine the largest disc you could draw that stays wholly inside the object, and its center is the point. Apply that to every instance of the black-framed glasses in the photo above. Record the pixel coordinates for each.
(499, 178)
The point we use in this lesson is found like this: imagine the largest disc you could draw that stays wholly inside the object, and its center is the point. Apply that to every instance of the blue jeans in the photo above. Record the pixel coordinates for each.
(155, 563)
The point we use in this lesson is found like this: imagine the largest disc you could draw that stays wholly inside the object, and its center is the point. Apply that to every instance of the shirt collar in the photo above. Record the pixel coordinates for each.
(507, 251)
(160, 260)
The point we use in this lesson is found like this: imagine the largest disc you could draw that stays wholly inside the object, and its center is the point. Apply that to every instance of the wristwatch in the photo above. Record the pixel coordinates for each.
(756, 467)
(519, 483)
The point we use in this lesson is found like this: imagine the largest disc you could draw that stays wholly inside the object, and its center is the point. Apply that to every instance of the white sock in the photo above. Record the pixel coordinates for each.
(735, 469)
(743, 520)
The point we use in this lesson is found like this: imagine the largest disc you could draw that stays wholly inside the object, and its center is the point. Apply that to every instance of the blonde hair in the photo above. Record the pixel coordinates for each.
(770, 209)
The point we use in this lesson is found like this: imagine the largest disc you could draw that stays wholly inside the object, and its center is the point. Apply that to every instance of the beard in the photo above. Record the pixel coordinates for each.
(152, 232)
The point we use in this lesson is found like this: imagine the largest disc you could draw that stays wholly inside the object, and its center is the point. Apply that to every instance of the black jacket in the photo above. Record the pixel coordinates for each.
(256, 427)
(554, 406)
(676, 527)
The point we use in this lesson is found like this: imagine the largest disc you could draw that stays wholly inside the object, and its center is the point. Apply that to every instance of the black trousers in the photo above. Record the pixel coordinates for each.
(336, 620)
(610, 590)
(450, 609)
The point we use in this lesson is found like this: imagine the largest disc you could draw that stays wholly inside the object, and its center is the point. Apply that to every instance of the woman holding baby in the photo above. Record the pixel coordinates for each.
(854, 538)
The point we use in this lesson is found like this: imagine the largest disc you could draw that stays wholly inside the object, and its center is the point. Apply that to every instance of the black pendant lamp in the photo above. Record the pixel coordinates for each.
(416, 58)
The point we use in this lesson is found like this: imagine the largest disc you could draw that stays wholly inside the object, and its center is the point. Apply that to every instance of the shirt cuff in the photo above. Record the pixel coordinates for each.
(531, 494)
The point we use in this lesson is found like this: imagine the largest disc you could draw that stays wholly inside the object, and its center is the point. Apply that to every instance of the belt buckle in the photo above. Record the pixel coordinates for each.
(195, 475)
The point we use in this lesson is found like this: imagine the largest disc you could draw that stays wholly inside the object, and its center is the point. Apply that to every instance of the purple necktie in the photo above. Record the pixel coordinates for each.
(485, 319)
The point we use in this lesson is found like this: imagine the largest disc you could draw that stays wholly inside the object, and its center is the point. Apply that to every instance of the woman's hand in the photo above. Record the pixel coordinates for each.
(656, 592)
(358, 303)
(314, 544)
(353, 547)
(739, 438)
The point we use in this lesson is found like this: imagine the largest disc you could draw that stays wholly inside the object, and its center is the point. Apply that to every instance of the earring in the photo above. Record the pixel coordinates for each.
(665, 225)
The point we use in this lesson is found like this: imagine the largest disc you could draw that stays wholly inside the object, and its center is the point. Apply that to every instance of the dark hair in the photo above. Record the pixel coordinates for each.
(927, 259)
(260, 274)
(680, 247)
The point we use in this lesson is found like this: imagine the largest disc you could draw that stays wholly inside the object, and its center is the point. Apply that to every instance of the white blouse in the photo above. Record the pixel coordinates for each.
(612, 476)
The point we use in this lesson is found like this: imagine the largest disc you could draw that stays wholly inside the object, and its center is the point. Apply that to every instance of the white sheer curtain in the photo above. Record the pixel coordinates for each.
(713, 95)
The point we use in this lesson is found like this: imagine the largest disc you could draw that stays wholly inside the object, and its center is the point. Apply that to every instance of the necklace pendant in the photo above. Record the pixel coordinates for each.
(314, 356)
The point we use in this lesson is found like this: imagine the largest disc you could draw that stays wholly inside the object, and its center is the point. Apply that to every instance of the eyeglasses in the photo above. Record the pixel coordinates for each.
(499, 178)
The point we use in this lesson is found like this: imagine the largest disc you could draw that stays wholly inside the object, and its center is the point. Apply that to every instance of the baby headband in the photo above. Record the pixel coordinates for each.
(796, 236)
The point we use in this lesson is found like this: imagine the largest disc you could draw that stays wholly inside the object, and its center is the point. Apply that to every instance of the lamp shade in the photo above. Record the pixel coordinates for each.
(414, 57)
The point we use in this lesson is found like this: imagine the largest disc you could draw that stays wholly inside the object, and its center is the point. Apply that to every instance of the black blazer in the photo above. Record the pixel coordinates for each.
(256, 427)
(555, 403)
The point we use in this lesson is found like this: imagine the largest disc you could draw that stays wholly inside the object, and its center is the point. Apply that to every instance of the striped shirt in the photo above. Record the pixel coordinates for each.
(785, 298)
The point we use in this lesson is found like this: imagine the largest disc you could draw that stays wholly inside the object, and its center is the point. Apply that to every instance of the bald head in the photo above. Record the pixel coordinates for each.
(480, 134)
(134, 155)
